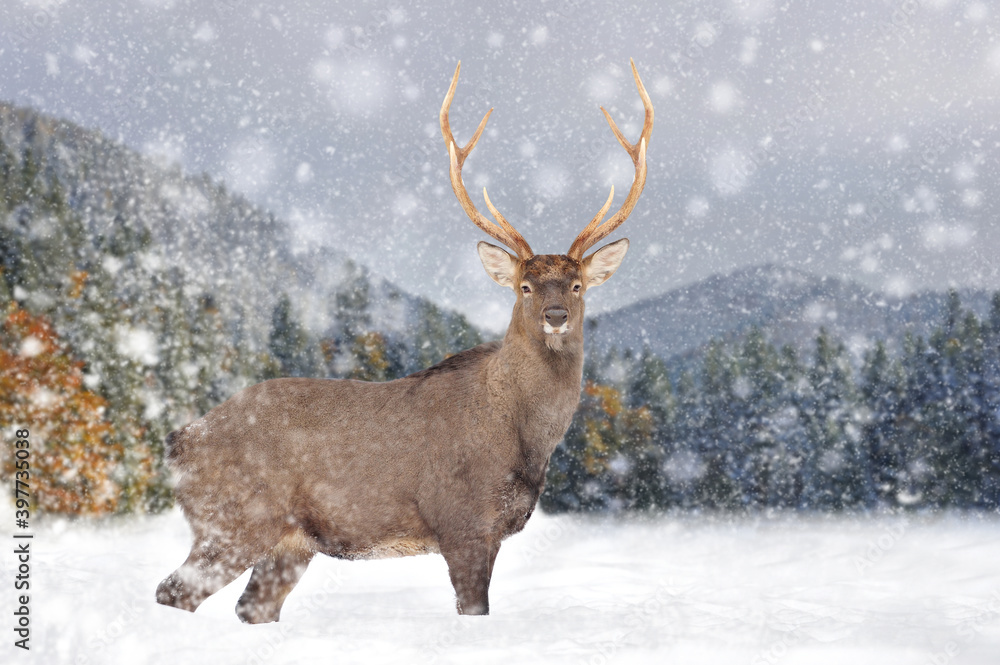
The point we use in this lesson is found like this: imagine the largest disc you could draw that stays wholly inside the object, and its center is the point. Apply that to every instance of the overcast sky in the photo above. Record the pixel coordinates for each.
(848, 138)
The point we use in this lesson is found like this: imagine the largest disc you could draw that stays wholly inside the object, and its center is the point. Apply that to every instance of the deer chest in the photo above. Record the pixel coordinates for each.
(515, 501)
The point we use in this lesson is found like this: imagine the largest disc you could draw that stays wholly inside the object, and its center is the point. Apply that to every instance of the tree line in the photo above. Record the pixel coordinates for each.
(752, 426)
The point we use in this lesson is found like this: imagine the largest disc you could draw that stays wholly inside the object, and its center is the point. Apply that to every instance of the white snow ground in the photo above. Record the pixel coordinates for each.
(686, 589)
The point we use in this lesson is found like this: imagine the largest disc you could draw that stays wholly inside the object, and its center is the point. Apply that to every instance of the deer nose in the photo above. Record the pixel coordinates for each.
(556, 317)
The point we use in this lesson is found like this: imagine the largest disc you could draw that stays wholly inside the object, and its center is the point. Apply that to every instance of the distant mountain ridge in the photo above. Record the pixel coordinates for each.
(788, 305)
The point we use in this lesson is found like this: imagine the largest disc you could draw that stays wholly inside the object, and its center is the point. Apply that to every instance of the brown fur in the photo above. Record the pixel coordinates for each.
(451, 459)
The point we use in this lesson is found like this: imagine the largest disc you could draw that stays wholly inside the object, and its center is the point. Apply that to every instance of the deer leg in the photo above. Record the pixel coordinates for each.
(470, 565)
(273, 579)
(208, 568)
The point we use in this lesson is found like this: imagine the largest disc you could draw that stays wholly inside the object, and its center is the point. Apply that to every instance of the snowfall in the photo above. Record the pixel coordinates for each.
(569, 589)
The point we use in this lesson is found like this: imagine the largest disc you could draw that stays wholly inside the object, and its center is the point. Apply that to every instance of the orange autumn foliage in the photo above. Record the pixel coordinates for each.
(78, 279)
(41, 389)
(610, 427)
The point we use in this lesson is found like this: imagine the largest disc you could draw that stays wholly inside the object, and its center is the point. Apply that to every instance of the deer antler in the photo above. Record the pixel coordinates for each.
(505, 233)
(592, 233)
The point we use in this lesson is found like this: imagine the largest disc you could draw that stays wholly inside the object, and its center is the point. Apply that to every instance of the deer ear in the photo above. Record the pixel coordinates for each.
(500, 266)
(604, 262)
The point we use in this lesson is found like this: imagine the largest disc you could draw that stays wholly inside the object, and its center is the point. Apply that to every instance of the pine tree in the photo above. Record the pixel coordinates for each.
(431, 339)
(717, 443)
(944, 423)
(881, 391)
(758, 389)
(790, 465)
(351, 304)
(118, 335)
(650, 389)
(952, 314)
(918, 482)
(683, 463)
(967, 462)
(840, 471)
(991, 405)
(289, 342)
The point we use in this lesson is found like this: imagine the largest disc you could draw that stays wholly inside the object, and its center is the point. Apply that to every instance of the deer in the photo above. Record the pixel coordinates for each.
(451, 459)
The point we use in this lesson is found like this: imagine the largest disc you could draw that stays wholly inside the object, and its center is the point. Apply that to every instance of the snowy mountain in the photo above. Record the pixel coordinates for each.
(208, 238)
(789, 306)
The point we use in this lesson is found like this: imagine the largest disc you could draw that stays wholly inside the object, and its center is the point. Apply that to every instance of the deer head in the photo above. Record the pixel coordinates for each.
(549, 287)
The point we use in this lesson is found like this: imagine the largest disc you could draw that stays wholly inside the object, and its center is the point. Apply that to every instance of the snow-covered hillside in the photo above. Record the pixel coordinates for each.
(568, 590)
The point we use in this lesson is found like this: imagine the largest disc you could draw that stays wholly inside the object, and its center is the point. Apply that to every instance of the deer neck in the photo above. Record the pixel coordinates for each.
(541, 362)
(537, 386)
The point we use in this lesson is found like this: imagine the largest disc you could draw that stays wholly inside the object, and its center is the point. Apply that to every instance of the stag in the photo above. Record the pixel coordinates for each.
(451, 459)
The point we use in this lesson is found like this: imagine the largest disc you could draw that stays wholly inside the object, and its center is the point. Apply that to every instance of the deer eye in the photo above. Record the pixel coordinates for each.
(525, 289)
(577, 287)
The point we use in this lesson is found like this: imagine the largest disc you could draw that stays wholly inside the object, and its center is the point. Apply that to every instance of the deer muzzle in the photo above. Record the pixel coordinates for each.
(556, 320)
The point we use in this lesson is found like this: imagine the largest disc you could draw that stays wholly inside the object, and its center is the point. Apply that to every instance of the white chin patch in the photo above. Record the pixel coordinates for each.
(549, 330)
